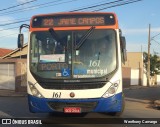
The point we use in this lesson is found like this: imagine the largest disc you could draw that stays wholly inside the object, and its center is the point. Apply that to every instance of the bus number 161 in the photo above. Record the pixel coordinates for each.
(56, 94)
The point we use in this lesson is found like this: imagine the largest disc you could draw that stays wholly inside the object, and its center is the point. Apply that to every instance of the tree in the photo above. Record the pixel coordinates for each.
(154, 63)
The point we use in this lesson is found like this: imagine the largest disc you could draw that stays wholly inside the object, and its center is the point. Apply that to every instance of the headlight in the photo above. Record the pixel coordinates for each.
(34, 91)
(112, 89)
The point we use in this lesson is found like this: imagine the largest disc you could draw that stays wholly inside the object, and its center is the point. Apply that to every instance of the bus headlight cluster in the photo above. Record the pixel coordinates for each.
(34, 91)
(111, 90)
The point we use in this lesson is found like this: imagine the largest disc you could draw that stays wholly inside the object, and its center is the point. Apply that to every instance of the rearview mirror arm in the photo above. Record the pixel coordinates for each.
(23, 25)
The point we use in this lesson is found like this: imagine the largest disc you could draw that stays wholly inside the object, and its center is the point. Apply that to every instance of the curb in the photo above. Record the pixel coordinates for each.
(155, 104)
(138, 100)
(11, 93)
(139, 87)
(14, 95)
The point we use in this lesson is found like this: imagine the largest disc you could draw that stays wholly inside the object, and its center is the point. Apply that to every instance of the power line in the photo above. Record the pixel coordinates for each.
(86, 6)
(117, 1)
(112, 4)
(1, 37)
(9, 28)
(95, 6)
(34, 6)
(13, 22)
(7, 35)
(155, 36)
(156, 41)
(120, 4)
(17, 5)
(47, 4)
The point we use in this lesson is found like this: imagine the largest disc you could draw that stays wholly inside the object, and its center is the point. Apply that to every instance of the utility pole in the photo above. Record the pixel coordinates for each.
(148, 67)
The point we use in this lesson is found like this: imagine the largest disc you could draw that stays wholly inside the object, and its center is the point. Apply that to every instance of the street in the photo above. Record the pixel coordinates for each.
(17, 107)
(139, 104)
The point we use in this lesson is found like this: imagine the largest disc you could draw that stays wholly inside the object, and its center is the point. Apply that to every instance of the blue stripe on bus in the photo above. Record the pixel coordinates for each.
(111, 104)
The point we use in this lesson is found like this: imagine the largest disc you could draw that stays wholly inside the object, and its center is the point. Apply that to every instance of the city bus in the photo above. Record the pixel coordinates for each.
(74, 63)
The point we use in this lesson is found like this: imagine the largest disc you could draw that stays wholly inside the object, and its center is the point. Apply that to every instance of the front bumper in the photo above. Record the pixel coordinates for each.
(111, 104)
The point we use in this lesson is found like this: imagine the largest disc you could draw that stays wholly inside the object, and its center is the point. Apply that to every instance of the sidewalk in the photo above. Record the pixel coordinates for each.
(143, 94)
(155, 103)
(12, 93)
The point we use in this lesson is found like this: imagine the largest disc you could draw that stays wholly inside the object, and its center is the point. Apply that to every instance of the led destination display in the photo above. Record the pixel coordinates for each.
(73, 20)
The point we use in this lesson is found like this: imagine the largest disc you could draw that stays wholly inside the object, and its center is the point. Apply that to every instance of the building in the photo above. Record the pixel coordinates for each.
(17, 53)
(4, 51)
(13, 70)
(133, 70)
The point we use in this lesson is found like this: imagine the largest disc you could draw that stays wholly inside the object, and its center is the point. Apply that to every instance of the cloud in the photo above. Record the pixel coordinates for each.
(6, 19)
(22, 1)
(133, 47)
(8, 33)
(155, 29)
(138, 31)
(8, 38)
(11, 34)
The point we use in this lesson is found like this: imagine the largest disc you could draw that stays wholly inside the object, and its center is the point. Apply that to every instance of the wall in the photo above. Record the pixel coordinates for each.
(7, 76)
(158, 79)
(20, 70)
(135, 62)
(126, 75)
(131, 77)
(144, 79)
(134, 77)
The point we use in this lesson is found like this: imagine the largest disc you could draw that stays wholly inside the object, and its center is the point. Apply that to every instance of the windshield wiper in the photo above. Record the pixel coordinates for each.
(54, 34)
(84, 37)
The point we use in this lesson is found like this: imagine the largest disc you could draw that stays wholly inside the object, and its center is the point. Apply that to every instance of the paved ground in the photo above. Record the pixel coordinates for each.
(8, 93)
(144, 94)
(134, 93)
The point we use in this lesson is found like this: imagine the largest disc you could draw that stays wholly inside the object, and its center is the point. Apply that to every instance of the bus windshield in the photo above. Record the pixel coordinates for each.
(57, 56)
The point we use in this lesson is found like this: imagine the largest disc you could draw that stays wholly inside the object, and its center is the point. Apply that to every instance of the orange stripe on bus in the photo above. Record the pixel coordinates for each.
(74, 28)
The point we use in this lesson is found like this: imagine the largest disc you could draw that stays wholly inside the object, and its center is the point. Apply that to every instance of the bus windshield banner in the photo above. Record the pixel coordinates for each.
(73, 20)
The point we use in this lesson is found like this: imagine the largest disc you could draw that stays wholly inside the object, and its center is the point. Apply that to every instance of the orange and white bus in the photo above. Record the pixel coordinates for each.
(74, 63)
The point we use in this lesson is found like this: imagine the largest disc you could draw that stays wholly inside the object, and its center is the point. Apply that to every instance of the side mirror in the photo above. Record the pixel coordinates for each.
(20, 40)
(123, 42)
(123, 48)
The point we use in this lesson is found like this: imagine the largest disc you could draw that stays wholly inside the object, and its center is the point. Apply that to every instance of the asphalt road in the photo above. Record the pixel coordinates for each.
(139, 104)
(18, 107)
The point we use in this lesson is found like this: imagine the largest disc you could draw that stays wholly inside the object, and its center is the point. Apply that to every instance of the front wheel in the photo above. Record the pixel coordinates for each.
(122, 109)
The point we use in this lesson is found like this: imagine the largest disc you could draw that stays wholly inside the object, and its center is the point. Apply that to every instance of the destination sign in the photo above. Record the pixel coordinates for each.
(51, 66)
(73, 20)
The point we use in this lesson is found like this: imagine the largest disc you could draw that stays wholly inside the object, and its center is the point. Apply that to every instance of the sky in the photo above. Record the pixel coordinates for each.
(134, 19)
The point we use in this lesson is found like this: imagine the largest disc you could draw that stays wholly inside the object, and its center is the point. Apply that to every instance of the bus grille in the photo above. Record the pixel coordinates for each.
(85, 106)
(72, 86)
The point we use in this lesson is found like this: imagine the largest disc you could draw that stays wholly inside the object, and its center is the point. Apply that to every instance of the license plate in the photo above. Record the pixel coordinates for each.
(72, 110)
